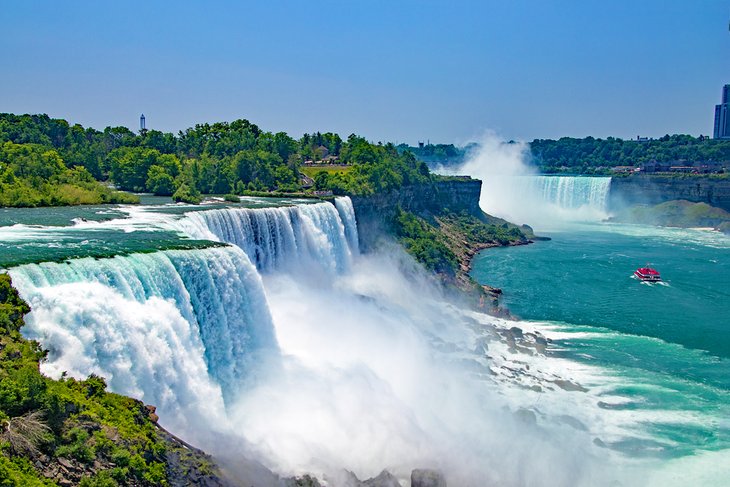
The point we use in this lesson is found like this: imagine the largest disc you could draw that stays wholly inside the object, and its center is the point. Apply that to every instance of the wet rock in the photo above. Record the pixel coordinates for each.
(599, 442)
(427, 478)
(304, 481)
(384, 479)
(569, 386)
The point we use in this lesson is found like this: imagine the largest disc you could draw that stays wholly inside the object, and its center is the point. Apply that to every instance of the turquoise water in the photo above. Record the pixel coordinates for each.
(32, 235)
(666, 346)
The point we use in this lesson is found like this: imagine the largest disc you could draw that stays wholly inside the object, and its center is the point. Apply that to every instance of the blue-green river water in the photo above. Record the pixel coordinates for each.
(667, 345)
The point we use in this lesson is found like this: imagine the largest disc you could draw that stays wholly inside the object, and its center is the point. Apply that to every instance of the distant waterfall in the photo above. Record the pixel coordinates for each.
(178, 329)
(546, 201)
(572, 192)
(321, 234)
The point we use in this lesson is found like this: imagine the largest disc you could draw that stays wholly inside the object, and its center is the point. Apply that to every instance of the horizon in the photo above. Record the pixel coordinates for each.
(462, 145)
(393, 73)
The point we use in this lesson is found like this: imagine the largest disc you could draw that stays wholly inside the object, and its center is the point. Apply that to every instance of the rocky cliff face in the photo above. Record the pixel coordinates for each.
(643, 189)
(453, 194)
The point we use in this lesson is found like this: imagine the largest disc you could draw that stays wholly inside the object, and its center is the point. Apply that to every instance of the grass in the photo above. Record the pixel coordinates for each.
(310, 171)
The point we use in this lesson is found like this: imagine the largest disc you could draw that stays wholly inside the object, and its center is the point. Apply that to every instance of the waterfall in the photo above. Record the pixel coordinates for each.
(371, 367)
(546, 201)
(317, 235)
(178, 329)
(347, 215)
(572, 192)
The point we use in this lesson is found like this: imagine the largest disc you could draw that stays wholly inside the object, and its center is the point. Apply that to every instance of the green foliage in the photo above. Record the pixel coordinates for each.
(101, 479)
(474, 230)
(187, 194)
(424, 242)
(45, 161)
(19, 472)
(31, 175)
(68, 418)
(585, 155)
(159, 181)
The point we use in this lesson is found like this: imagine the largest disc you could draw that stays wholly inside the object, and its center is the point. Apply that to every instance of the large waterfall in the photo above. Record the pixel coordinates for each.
(273, 238)
(290, 347)
(167, 327)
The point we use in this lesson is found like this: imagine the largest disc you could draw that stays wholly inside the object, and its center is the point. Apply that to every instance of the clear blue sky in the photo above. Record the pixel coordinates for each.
(390, 70)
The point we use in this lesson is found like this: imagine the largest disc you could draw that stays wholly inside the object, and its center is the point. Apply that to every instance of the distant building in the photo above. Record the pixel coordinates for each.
(624, 169)
(722, 116)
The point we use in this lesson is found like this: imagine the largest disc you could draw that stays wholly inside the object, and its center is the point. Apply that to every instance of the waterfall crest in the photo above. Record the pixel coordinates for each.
(167, 327)
(320, 234)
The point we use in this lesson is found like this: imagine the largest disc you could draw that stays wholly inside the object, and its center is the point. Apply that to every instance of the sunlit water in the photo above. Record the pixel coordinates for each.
(668, 343)
(282, 343)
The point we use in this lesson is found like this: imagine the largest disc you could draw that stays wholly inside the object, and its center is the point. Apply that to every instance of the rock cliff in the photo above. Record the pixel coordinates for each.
(646, 189)
(455, 194)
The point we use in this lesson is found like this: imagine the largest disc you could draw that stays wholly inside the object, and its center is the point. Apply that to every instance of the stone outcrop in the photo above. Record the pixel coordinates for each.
(650, 189)
(427, 478)
(456, 194)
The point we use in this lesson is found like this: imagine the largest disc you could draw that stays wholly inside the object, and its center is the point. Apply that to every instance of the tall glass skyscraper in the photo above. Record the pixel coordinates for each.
(722, 120)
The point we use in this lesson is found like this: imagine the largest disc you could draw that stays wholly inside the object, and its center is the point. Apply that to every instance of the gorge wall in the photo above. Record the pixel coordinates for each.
(456, 194)
(638, 189)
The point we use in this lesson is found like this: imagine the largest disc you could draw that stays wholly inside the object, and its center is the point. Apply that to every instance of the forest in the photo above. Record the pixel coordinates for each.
(46, 161)
(589, 154)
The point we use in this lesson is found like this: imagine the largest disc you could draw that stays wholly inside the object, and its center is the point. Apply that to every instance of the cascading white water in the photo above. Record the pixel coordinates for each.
(372, 367)
(319, 234)
(546, 201)
(347, 215)
(168, 327)
(573, 192)
(512, 188)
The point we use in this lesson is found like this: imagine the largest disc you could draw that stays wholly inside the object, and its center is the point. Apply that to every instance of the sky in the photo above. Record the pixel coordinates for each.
(397, 71)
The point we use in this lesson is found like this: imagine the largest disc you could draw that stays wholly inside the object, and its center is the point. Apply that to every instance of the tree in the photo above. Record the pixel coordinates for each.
(159, 181)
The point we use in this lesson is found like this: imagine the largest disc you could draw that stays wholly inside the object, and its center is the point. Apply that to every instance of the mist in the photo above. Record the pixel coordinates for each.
(512, 188)
(312, 367)
(381, 372)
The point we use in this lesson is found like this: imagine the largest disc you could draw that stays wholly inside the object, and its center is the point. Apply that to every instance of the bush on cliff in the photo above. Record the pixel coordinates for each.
(424, 242)
(45, 422)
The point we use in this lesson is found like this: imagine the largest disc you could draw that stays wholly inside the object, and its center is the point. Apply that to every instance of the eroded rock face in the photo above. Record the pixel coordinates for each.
(349, 479)
(385, 479)
(374, 210)
(642, 189)
(427, 478)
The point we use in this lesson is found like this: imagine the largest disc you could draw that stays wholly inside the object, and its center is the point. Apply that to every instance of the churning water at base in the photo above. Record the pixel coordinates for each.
(667, 345)
(292, 348)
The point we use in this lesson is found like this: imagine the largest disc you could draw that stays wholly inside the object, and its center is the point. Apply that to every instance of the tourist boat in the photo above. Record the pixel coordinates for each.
(647, 274)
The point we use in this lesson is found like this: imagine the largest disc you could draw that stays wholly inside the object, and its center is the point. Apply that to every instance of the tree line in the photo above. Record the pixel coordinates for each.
(39, 155)
(589, 154)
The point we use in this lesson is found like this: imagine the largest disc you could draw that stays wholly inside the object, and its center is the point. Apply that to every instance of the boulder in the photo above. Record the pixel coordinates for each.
(384, 479)
(421, 477)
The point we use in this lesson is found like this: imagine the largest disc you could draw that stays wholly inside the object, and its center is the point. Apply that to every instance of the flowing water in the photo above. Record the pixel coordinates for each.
(260, 331)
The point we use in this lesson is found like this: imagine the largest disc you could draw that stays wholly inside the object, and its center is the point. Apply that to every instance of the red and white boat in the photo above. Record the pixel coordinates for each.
(647, 274)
